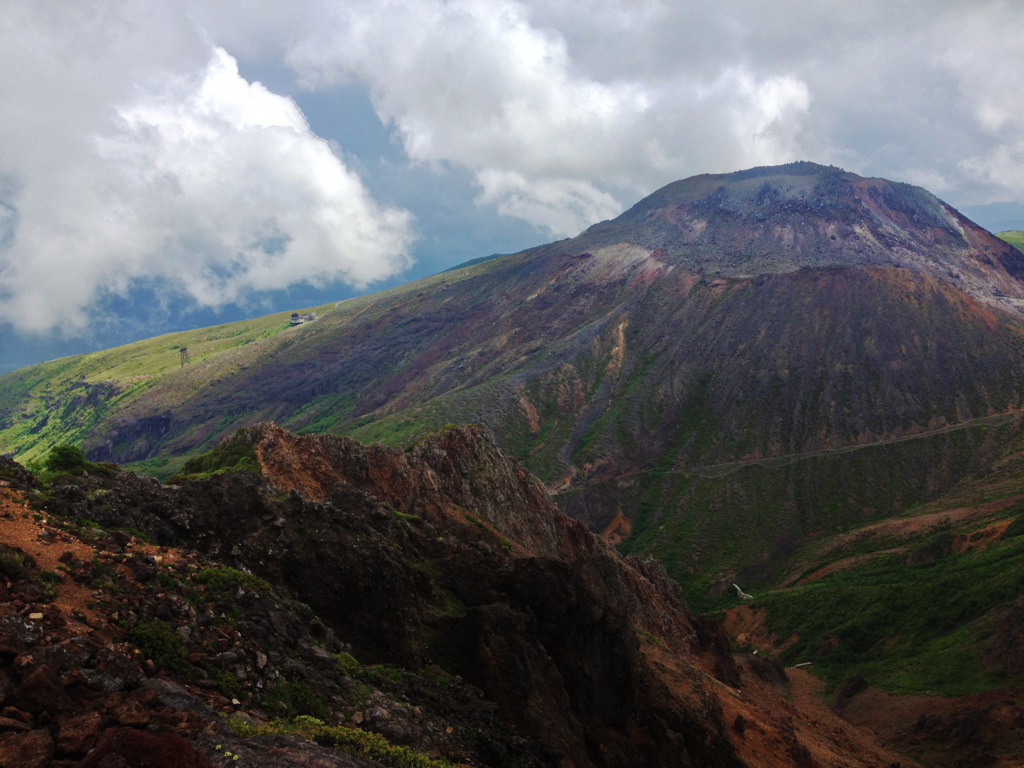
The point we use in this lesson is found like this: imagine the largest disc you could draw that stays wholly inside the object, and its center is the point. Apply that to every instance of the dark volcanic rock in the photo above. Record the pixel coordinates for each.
(449, 554)
(131, 748)
(13, 475)
(26, 750)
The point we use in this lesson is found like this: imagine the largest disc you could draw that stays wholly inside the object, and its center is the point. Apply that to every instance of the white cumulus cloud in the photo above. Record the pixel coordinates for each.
(481, 85)
(187, 175)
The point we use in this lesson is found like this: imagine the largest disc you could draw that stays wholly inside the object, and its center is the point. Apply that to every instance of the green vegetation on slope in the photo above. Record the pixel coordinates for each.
(750, 521)
(230, 455)
(63, 401)
(1014, 237)
(138, 403)
(915, 604)
(911, 621)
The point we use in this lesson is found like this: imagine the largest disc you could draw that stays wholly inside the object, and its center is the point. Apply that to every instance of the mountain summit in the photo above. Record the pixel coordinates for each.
(779, 219)
(737, 362)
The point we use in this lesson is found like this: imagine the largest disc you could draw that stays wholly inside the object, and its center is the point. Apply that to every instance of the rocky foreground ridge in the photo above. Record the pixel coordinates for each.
(232, 619)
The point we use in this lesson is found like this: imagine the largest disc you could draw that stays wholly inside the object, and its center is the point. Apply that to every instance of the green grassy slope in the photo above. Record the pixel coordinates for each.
(64, 400)
(74, 399)
(918, 604)
(1014, 237)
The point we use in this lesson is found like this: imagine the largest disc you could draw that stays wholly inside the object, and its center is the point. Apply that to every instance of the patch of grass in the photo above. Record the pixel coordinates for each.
(12, 564)
(352, 741)
(1014, 237)
(407, 517)
(347, 663)
(227, 684)
(292, 698)
(160, 644)
(231, 455)
(652, 639)
(908, 622)
(380, 673)
(49, 581)
(224, 580)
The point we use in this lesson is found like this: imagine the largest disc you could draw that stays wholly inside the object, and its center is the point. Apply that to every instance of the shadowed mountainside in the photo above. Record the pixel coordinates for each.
(688, 374)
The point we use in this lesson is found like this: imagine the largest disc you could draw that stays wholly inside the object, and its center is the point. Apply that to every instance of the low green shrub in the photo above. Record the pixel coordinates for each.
(66, 458)
(231, 455)
(347, 663)
(160, 644)
(224, 579)
(12, 564)
(352, 741)
(70, 460)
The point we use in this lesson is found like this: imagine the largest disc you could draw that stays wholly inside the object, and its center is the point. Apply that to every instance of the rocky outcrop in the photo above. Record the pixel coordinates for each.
(13, 475)
(167, 644)
(449, 554)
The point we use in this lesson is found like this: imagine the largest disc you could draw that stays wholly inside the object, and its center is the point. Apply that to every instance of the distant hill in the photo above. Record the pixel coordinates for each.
(737, 362)
(996, 217)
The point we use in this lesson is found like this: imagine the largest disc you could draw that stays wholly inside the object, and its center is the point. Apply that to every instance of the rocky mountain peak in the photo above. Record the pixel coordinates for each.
(773, 220)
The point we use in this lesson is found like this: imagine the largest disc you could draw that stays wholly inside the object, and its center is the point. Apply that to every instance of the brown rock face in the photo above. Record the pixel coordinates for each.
(128, 748)
(78, 734)
(454, 471)
(26, 750)
(39, 692)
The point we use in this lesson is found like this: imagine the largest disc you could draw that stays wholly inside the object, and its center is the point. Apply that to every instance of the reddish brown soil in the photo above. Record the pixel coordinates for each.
(980, 729)
(981, 537)
(908, 525)
(845, 564)
(782, 726)
(745, 627)
(20, 530)
(617, 530)
(23, 528)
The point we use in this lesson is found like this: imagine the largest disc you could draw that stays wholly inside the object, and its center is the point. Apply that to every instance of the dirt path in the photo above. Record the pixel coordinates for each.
(36, 536)
(839, 565)
(718, 470)
(904, 526)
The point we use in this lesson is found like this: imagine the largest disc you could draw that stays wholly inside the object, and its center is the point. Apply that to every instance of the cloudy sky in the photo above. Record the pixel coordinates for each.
(171, 164)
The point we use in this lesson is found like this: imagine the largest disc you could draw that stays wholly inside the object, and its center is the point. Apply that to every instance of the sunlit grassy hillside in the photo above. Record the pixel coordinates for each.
(62, 400)
(1014, 237)
(73, 399)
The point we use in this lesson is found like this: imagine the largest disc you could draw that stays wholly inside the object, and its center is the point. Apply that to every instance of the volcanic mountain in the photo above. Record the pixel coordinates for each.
(735, 363)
